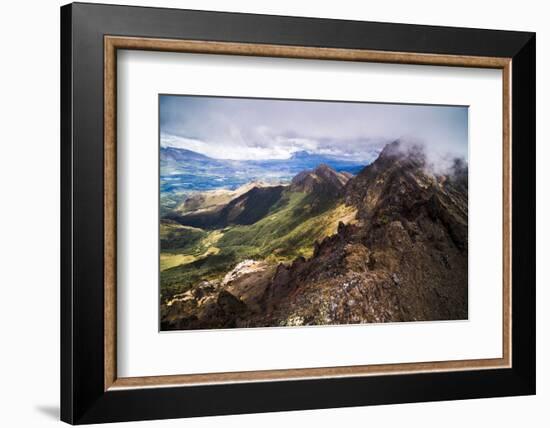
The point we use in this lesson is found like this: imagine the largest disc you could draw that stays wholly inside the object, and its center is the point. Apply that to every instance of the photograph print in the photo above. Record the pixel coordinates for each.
(281, 213)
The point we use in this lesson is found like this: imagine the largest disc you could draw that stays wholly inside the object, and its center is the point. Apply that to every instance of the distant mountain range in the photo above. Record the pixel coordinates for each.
(184, 170)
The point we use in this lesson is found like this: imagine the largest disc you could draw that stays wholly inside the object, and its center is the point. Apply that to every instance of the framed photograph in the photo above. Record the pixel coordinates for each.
(266, 213)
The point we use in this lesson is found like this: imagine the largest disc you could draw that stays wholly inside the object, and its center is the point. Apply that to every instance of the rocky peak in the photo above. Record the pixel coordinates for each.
(322, 178)
(399, 186)
(405, 258)
(411, 155)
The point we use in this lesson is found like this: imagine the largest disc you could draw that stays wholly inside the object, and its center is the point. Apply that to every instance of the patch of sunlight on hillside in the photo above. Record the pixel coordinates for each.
(212, 238)
(300, 240)
(204, 248)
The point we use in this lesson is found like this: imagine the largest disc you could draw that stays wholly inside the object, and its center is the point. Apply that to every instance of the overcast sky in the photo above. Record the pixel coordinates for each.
(245, 128)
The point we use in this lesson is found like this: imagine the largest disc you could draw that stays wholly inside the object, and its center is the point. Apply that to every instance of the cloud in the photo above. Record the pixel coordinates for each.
(246, 128)
(435, 162)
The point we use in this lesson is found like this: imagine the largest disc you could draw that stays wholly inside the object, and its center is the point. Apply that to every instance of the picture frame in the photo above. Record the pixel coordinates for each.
(91, 390)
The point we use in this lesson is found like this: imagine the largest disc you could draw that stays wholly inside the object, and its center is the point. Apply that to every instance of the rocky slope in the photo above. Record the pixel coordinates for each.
(321, 180)
(213, 199)
(246, 208)
(403, 258)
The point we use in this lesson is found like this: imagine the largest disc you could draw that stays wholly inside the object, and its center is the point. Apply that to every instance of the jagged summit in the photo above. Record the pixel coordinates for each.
(402, 152)
(415, 156)
(322, 178)
(392, 149)
(325, 171)
(405, 259)
(400, 184)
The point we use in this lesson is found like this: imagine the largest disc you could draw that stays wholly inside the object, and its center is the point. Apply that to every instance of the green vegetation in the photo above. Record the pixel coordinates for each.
(169, 201)
(289, 230)
(383, 220)
(174, 236)
(181, 278)
(183, 244)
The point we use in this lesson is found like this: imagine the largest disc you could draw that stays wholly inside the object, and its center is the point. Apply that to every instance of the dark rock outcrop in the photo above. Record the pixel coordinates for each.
(405, 260)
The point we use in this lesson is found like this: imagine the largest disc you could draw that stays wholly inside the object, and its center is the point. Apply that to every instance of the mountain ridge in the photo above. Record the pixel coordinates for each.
(398, 253)
(171, 152)
(407, 253)
(216, 209)
(320, 179)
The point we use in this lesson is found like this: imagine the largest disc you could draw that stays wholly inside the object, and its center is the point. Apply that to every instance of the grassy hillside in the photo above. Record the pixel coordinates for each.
(243, 209)
(174, 236)
(183, 244)
(289, 230)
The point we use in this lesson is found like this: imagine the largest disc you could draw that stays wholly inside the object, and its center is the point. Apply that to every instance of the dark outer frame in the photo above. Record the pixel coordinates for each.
(114, 43)
(83, 397)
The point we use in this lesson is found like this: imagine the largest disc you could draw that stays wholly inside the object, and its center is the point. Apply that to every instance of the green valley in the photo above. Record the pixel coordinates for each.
(288, 231)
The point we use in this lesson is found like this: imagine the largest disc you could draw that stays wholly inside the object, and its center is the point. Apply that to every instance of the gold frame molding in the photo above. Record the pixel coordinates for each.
(113, 43)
